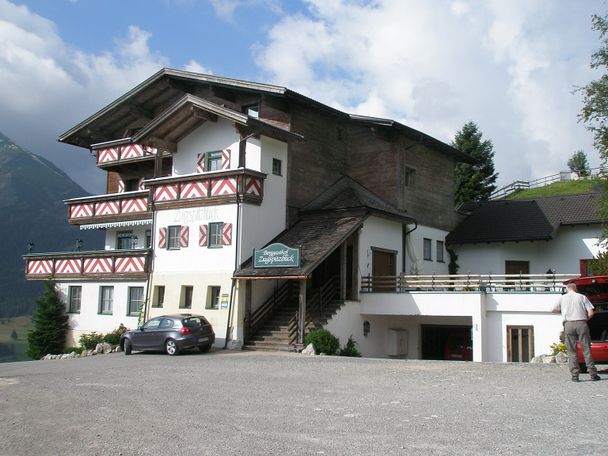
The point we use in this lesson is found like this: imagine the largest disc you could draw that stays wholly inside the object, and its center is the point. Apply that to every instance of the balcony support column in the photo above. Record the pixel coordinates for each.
(478, 330)
(302, 311)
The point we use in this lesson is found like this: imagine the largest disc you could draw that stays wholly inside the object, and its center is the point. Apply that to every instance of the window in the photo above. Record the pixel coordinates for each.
(439, 252)
(520, 344)
(252, 110)
(214, 161)
(106, 300)
(152, 324)
(409, 176)
(215, 234)
(74, 299)
(136, 300)
(173, 237)
(276, 167)
(427, 249)
(148, 239)
(185, 301)
(131, 185)
(213, 298)
(158, 297)
(124, 240)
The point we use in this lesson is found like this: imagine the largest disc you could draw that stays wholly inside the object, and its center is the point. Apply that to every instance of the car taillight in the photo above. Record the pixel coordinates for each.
(184, 331)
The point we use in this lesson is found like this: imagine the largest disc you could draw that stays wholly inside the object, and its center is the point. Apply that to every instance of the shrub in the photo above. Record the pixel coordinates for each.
(77, 350)
(113, 338)
(350, 348)
(50, 325)
(323, 341)
(558, 348)
(90, 340)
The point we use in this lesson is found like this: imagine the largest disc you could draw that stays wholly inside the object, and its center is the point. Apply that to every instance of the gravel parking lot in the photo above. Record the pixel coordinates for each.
(254, 403)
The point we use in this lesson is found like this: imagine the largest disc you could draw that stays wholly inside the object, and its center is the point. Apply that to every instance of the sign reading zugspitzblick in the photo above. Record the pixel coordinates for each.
(276, 256)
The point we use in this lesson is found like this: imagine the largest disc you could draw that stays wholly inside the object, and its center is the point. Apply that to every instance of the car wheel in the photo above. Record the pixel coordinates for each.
(583, 368)
(204, 348)
(171, 347)
(126, 346)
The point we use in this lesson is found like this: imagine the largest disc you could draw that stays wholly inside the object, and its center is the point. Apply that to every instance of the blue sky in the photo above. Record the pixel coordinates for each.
(508, 65)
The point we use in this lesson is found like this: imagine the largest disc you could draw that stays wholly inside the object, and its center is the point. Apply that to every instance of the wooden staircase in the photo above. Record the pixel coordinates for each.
(275, 323)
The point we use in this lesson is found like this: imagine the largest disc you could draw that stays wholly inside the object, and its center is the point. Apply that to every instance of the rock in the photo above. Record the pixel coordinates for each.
(543, 359)
(561, 358)
(309, 350)
(235, 345)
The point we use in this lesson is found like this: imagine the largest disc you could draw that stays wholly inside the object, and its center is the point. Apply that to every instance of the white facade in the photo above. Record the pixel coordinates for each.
(562, 254)
(437, 262)
(489, 316)
(90, 318)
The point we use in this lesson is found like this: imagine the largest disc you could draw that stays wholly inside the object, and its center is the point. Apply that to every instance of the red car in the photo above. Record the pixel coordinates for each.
(459, 347)
(596, 289)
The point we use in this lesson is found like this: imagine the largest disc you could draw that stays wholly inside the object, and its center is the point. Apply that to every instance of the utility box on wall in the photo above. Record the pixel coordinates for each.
(397, 342)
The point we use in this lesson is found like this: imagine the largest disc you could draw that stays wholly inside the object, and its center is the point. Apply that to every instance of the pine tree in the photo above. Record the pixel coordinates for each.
(474, 182)
(50, 325)
(578, 164)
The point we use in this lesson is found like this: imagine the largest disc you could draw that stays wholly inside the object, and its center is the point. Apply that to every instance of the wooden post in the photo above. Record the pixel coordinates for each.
(247, 325)
(355, 267)
(302, 311)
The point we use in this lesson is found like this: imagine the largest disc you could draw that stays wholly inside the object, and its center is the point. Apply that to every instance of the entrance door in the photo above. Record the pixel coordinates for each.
(383, 269)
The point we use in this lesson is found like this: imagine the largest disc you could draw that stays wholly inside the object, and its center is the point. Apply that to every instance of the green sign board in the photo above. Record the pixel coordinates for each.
(276, 256)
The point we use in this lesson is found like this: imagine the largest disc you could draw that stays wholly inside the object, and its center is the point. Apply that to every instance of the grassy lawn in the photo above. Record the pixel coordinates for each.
(573, 187)
(14, 349)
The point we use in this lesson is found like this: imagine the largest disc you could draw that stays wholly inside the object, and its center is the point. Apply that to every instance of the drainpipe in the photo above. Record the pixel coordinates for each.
(146, 313)
(403, 242)
(236, 261)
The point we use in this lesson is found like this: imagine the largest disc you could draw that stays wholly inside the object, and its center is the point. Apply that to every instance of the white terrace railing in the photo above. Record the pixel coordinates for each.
(528, 283)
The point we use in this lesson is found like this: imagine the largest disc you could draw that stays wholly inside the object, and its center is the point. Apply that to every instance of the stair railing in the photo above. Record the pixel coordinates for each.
(278, 298)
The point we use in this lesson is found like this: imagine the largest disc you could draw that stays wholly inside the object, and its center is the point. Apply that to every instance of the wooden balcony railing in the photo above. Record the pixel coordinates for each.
(91, 265)
(208, 188)
(108, 208)
(124, 152)
(529, 283)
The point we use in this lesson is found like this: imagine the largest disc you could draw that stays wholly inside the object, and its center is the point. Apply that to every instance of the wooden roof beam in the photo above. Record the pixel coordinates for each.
(161, 144)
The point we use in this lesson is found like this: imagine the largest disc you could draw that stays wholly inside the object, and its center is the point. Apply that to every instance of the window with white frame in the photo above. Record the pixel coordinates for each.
(106, 300)
(136, 300)
(427, 249)
(213, 297)
(74, 299)
(173, 237)
(215, 234)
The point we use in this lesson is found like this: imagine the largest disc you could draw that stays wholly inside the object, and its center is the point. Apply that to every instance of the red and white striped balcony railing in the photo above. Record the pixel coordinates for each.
(111, 155)
(92, 265)
(212, 186)
(111, 207)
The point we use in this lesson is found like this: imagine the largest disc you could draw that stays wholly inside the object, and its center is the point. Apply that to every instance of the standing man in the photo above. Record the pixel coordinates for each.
(576, 310)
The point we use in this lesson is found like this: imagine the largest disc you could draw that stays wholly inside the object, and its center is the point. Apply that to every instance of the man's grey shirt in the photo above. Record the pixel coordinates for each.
(574, 306)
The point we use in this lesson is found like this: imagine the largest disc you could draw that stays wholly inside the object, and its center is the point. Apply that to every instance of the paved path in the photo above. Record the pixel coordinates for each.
(253, 403)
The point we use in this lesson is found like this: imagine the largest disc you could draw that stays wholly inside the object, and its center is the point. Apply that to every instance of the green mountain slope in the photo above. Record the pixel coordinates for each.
(32, 191)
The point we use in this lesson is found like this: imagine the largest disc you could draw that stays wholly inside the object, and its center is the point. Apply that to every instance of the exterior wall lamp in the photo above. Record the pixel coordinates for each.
(365, 328)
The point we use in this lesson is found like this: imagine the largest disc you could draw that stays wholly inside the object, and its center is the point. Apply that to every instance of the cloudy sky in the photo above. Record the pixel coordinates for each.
(508, 65)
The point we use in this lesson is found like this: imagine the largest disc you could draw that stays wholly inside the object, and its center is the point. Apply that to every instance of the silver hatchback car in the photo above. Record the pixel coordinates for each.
(171, 334)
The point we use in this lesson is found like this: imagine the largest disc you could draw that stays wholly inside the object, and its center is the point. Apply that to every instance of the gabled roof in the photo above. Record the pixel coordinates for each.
(143, 103)
(523, 220)
(318, 237)
(347, 194)
(324, 224)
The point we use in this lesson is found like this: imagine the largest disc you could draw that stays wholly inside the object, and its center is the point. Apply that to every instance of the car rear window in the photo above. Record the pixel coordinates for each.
(194, 321)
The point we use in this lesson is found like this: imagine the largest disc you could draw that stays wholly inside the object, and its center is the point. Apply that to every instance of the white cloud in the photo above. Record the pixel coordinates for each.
(47, 86)
(508, 66)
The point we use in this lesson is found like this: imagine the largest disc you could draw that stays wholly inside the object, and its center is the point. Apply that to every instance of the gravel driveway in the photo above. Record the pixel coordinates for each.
(255, 403)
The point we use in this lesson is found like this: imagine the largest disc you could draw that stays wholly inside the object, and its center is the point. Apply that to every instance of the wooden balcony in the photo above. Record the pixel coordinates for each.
(89, 265)
(123, 153)
(112, 207)
(209, 188)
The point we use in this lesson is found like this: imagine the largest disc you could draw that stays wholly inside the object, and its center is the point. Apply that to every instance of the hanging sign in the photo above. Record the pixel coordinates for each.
(276, 256)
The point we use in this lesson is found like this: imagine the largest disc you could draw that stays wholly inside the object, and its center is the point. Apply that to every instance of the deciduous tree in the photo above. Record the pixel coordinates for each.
(578, 164)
